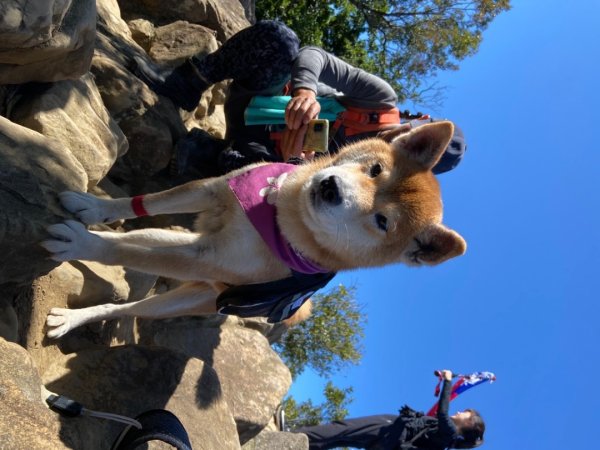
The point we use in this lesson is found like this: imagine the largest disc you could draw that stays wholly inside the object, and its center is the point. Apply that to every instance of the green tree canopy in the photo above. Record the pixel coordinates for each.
(329, 339)
(406, 42)
(307, 413)
(326, 342)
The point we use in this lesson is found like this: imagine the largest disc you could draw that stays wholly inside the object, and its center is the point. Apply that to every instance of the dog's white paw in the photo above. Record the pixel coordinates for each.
(60, 321)
(87, 207)
(71, 240)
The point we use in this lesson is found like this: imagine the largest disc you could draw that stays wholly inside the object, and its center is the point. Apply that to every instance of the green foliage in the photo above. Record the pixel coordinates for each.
(330, 339)
(307, 414)
(406, 42)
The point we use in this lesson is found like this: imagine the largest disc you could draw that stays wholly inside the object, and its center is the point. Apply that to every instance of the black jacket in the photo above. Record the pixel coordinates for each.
(412, 430)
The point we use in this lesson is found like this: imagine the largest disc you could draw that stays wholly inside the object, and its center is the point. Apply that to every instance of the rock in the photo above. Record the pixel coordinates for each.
(151, 123)
(9, 326)
(33, 169)
(25, 421)
(43, 40)
(218, 374)
(142, 32)
(253, 377)
(78, 284)
(249, 7)
(132, 379)
(72, 113)
(269, 440)
(226, 17)
(172, 44)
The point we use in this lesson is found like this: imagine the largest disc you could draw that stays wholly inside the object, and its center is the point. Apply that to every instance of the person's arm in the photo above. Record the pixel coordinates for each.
(446, 427)
(314, 65)
(315, 70)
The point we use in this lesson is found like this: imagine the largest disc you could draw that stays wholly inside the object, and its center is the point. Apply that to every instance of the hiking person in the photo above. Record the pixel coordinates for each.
(265, 60)
(408, 430)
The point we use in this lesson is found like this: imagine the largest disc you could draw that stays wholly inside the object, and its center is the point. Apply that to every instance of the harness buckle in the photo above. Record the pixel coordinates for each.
(373, 117)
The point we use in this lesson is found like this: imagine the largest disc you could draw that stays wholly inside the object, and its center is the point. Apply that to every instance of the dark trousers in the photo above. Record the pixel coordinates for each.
(362, 432)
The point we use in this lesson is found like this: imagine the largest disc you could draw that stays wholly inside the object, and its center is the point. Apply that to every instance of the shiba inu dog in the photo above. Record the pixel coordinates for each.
(374, 203)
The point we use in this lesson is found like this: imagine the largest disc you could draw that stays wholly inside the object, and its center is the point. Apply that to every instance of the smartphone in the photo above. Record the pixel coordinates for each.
(317, 136)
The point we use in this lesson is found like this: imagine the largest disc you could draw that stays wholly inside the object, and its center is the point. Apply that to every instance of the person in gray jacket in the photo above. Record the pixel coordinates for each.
(266, 59)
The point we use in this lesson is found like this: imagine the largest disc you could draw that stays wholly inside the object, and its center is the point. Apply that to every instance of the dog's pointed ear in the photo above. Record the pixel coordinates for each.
(434, 245)
(425, 144)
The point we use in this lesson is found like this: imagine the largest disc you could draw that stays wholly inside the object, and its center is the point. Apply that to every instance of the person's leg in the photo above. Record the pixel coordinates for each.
(256, 58)
(361, 432)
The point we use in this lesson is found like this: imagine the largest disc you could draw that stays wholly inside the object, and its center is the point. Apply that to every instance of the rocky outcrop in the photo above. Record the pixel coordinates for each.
(33, 168)
(270, 440)
(226, 17)
(45, 40)
(25, 422)
(132, 379)
(72, 112)
(252, 398)
(87, 122)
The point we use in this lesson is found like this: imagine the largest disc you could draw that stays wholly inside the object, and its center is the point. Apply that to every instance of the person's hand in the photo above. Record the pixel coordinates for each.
(447, 374)
(292, 142)
(302, 107)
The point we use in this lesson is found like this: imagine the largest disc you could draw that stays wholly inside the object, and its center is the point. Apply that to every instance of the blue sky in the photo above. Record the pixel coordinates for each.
(523, 302)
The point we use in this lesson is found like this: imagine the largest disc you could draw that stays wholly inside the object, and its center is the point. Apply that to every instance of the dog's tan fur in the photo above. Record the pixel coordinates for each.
(227, 250)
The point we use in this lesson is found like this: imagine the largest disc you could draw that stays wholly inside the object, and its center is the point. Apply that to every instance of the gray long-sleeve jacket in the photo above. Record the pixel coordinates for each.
(327, 75)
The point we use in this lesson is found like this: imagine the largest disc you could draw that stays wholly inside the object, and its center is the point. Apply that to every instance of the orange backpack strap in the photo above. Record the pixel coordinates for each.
(359, 120)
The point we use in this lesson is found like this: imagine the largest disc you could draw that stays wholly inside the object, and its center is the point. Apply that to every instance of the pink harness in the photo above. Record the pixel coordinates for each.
(256, 190)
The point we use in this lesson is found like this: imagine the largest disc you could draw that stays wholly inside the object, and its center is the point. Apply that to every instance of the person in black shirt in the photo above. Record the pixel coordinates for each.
(408, 430)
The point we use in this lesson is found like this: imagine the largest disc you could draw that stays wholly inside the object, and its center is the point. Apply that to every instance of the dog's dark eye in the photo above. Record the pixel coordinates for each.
(375, 170)
(381, 221)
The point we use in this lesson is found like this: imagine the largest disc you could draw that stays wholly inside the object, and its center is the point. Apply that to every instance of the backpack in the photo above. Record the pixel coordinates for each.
(409, 423)
(276, 300)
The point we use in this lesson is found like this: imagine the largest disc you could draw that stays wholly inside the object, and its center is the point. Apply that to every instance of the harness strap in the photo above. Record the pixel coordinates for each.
(358, 120)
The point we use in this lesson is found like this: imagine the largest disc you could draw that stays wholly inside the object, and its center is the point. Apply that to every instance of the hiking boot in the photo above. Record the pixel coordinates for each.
(183, 85)
(196, 155)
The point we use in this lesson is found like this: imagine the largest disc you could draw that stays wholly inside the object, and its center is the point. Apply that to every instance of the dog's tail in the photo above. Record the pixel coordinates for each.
(300, 315)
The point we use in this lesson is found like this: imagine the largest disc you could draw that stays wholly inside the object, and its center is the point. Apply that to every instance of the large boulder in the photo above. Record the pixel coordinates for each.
(72, 112)
(226, 17)
(45, 40)
(78, 284)
(25, 421)
(132, 379)
(270, 440)
(152, 124)
(34, 169)
(253, 377)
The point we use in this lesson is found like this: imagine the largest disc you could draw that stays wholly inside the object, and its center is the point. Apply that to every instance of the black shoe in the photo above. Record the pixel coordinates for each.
(183, 85)
(196, 155)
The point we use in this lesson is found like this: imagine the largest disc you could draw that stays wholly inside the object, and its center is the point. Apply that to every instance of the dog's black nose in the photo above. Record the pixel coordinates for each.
(329, 190)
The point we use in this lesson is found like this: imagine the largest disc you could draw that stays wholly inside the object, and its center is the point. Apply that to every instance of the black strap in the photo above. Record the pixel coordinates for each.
(275, 300)
(157, 425)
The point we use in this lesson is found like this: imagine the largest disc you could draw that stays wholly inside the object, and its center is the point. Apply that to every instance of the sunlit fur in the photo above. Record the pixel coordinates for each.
(374, 203)
(347, 236)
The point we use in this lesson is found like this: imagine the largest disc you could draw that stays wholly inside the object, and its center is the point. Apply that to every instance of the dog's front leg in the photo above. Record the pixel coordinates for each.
(188, 299)
(192, 197)
(184, 256)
